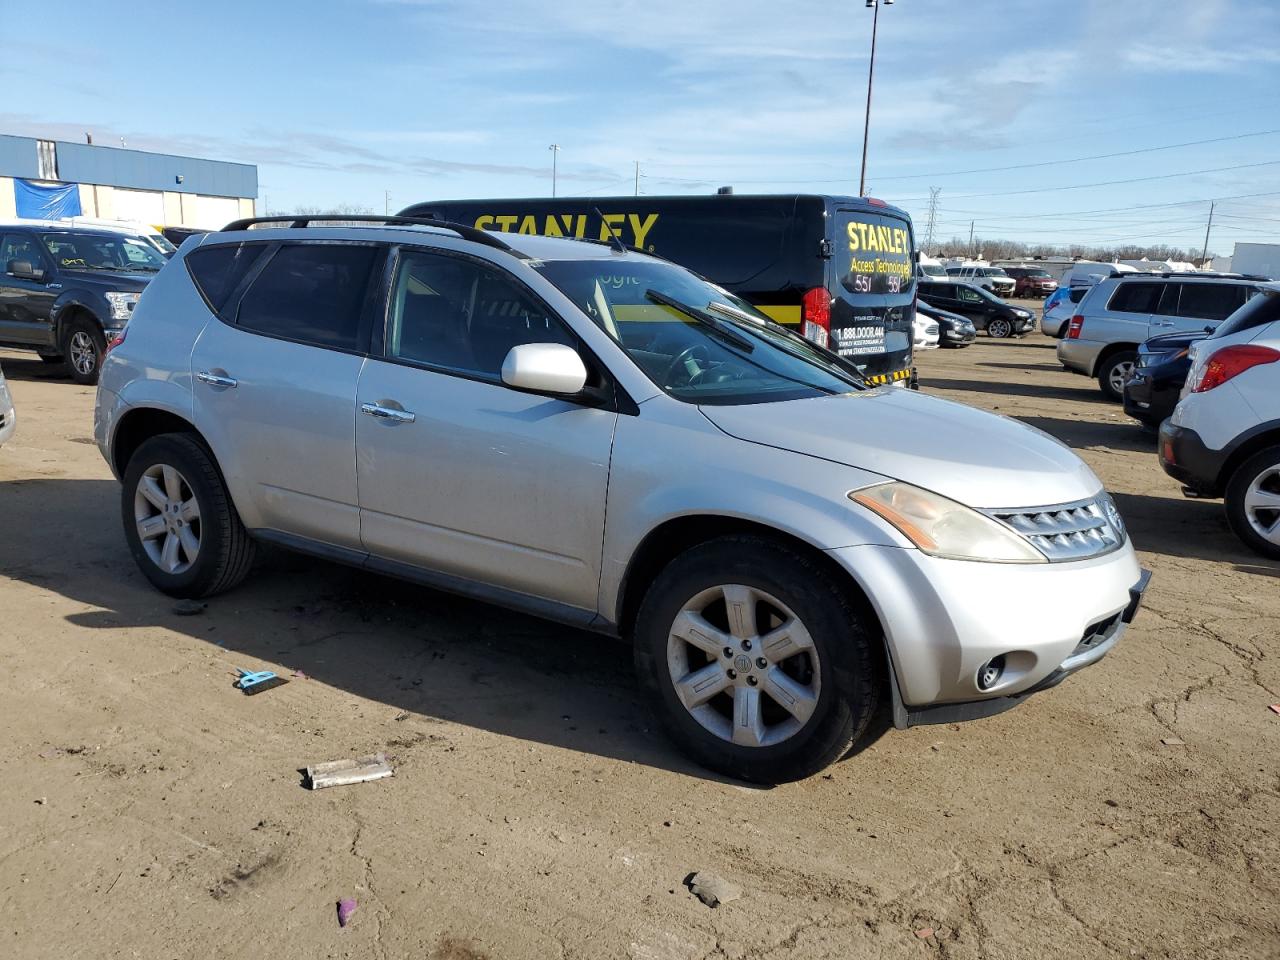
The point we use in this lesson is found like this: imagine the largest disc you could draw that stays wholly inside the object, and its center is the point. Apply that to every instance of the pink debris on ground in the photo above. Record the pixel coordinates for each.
(299, 674)
(346, 907)
(924, 933)
(1275, 708)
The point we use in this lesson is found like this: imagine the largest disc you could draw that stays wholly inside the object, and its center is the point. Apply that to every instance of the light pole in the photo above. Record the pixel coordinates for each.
(555, 149)
(871, 70)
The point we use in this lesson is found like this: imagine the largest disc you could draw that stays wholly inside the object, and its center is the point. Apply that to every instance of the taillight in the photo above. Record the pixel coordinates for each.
(1077, 324)
(1231, 362)
(815, 313)
(116, 340)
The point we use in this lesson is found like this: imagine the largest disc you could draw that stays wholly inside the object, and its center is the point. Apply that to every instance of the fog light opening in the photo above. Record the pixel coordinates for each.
(989, 673)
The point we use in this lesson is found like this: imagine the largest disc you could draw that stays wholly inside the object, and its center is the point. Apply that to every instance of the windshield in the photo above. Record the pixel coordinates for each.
(162, 244)
(933, 270)
(695, 341)
(103, 251)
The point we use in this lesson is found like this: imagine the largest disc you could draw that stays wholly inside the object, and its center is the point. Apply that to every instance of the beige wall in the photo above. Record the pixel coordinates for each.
(88, 203)
(247, 208)
(8, 206)
(179, 209)
(172, 209)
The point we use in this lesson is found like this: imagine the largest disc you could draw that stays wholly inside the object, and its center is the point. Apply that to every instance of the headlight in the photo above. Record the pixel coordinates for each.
(121, 304)
(944, 528)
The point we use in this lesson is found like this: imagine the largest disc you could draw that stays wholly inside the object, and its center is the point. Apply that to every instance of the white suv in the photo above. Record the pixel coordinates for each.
(1223, 439)
(600, 437)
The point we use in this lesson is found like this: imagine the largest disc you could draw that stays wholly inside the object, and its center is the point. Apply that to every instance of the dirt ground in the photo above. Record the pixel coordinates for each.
(149, 810)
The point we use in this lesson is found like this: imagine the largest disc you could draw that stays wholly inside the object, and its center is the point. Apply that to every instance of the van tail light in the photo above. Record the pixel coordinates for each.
(1077, 325)
(815, 313)
(1231, 362)
(116, 340)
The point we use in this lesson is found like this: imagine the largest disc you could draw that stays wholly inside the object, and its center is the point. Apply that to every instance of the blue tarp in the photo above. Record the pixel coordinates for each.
(40, 202)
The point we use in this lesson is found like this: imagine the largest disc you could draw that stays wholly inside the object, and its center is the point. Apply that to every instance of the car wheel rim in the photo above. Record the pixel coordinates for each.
(744, 666)
(1262, 504)
(1120, 375)
(999, 329)
(167, 518)
(83, 354)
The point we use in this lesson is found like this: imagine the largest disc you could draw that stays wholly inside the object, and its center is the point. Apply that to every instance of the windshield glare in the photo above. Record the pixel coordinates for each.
(101, 251)
(727, 352)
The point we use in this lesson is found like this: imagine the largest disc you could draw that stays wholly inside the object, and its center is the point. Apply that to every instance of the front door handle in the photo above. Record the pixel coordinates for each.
(216, 379)
(387, 413)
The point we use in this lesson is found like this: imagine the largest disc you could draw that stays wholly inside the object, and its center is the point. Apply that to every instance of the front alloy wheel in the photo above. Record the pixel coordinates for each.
(999, 328)
(743, 665)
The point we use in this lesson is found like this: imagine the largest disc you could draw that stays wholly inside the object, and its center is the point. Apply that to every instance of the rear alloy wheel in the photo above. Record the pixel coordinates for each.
(1253, 502)
(999, 328)
(182, 528)
(754, 660)
(1115, 372)
(84, 346)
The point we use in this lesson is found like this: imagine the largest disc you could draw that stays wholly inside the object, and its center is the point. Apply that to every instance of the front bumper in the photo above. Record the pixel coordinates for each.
(945, 619)
(1079, 355)
(1186, 458)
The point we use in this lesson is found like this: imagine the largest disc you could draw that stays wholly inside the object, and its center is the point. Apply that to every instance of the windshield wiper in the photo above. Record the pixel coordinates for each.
(703, 319)
(733, 313)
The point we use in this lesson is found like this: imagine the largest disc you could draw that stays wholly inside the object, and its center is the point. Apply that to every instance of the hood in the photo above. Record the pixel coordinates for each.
(106, 280)
(976, 458)
(1170, 342)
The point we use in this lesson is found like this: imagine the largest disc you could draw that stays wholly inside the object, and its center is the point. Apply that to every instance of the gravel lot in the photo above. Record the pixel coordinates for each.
(147, 809)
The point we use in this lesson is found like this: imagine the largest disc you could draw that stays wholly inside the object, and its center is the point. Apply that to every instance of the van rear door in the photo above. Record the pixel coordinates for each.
(873, 291)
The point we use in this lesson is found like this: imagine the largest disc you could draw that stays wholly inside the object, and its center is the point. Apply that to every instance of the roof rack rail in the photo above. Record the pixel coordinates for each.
(300, 220)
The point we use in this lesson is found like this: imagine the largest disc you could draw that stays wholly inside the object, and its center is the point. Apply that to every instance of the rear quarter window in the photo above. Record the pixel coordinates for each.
(877, 253)
(1210, 301)
(217, 271)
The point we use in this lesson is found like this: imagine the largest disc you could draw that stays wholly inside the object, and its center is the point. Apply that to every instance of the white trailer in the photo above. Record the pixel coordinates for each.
(1259, 259)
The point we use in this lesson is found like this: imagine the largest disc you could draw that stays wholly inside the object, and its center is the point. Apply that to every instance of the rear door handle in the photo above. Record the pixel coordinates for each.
(216, 379)
(388, 413)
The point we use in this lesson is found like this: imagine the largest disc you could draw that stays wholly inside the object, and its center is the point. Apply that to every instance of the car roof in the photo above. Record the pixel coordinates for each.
(1192, 277)
(60, 226)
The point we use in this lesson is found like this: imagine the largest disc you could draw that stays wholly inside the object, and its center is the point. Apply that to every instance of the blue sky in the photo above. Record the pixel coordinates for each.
(338, 103)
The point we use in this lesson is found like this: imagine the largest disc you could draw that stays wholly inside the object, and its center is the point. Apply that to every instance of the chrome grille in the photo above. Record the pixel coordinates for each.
(1068, 531)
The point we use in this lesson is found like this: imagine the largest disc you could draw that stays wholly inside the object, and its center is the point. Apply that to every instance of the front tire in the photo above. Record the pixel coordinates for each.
(182, 528)
(755, 661)
(1253, 502)
(999, 328)
(1114, 372)
(84, 345)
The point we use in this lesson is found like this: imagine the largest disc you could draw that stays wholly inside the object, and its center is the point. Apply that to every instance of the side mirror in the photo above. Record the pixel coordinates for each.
(545, 368)
(23, 270)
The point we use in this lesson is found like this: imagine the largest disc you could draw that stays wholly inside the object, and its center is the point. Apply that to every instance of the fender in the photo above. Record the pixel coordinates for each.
(95, 303)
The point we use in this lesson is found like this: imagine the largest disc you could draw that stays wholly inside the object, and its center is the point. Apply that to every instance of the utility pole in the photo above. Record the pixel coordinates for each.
(871, 71)
(1209, 226)
(970, 239)
(555, 149)
(637, 178)
(386, 194)
(933, 215)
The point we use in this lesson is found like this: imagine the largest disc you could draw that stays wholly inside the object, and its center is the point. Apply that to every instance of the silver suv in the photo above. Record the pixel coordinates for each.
(600, 437)
(1124, 310)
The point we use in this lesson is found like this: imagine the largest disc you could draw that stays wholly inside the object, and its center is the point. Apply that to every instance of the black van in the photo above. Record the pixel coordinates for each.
(839, 268)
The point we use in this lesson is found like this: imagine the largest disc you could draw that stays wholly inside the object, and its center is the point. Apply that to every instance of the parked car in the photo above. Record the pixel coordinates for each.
(1059, 307)
(953, 329)
(130, 228)
(1031, 282)
(987, 311)
(930, 270)
(176, 235)
(989, 278)
(1153, 389)
(784, 547)
(8, 419)
(926, 331)
(1223, 438)
(1120, 312)
(66, 291)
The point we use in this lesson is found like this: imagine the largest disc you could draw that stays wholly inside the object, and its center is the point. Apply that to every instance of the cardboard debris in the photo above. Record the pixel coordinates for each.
(338, 773)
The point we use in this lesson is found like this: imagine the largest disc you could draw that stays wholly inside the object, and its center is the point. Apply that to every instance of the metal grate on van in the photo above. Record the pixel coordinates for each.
(1068, 531)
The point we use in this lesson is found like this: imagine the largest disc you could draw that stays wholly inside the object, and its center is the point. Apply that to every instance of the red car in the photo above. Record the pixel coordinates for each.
(1031, 282)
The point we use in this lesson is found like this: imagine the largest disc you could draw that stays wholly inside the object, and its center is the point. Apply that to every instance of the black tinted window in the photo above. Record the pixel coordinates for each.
(311, 292)
(1210, 301)
(1136, 297)
(455, 313)
(217, 271)
(1263, 307)
(1077, 293)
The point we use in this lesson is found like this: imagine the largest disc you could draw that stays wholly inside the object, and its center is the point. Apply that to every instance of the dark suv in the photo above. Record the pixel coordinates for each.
(987, 311)
(65, 291)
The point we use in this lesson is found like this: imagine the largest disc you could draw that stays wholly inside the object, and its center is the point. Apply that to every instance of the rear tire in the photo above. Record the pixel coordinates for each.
(1253, 502)
(197, 548)
(1114, 372)
(84, 345)
(830, 673)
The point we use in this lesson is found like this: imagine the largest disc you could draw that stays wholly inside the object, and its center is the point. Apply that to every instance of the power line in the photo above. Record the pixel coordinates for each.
(1112, 183)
